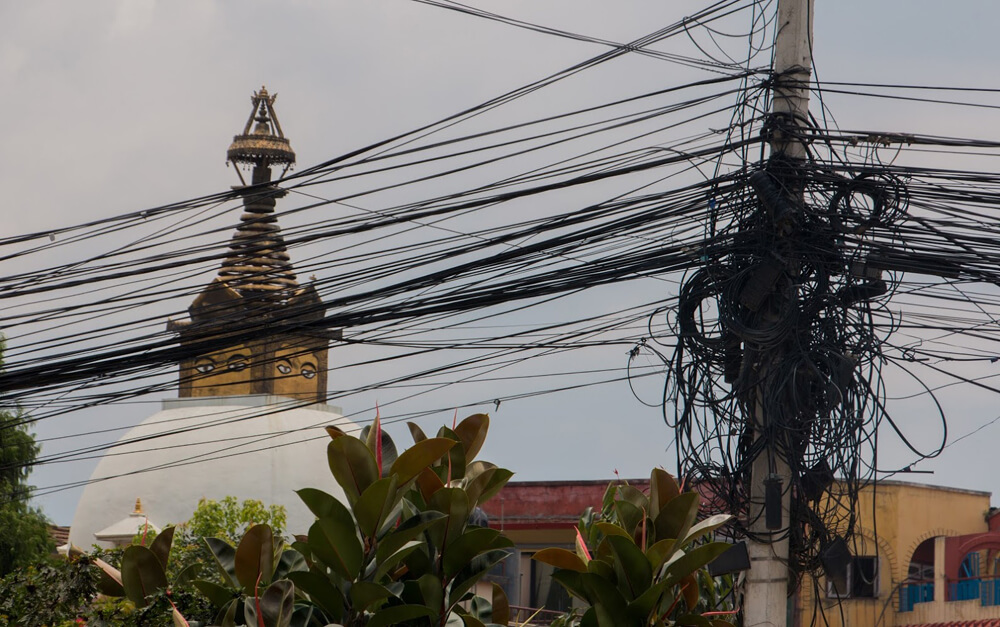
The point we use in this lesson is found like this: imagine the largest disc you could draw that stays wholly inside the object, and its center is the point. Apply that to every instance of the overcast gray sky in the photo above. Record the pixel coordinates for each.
(117, 105)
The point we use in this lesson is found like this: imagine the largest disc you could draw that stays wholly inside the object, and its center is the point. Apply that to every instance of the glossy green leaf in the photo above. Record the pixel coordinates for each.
(219, 596)
(415, 459)
(589, 618)
(416, 432)
(142, 574)
(472, 432)
(560, 558)
(474, 570)
(608, 502)
(632, 570)
(160, 546)
(608, 602)
(334, 541)
(374, 505)
(648, 602)
(689, 589)
(306, 615)
(188, 574)
(387, 565)
(334, 431)
(227, 617)
(366, 595)
(603, 568)
(571, 581)
(633, 496)
(352, 465)
(660, 551)
(278, 603)
(677, 516)
(611, 529)
(473, 542)
(110, 582)
(453, 503)
(497, 481)
(500, 605)
(629, 516)
(255, 557)
(398, 614)
(431, 590)
(225, 558)
(455, 463)
(389, 452)
(705, 527)
(408, 530)
(322, 504)
(663, 488)
(428, 483)
(321, 591)
(477, 476)
(471, 621)
(289, 561)
(694, 559)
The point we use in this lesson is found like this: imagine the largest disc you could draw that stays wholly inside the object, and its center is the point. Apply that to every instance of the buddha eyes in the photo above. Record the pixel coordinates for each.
(236, 363)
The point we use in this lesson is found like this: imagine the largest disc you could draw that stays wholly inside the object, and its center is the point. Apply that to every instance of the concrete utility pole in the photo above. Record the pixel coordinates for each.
(766, 598)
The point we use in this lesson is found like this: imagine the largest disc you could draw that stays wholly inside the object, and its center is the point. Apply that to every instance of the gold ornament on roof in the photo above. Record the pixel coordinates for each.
(266, 145)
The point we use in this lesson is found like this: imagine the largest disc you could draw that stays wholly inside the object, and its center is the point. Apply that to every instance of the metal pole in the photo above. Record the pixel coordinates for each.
(766, 598)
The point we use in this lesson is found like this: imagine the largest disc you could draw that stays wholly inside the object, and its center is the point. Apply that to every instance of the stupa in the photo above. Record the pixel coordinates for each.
(252, 386)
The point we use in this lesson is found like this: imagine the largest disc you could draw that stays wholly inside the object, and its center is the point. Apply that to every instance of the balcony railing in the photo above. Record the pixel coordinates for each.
(915, 592)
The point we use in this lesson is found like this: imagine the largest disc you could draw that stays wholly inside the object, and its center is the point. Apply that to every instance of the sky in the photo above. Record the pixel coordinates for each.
(118, 105)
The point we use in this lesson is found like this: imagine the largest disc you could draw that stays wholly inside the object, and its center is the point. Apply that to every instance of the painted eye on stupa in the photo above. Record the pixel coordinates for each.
(284, 367)
(237, 362)
(204, 365)
(308, 371)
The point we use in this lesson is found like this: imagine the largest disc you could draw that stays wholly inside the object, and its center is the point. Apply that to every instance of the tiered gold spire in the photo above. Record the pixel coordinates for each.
(256, 287)
(258, 265)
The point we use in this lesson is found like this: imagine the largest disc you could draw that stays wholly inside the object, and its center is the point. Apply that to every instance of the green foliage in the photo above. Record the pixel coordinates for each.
(229, 519)
(642, 560)
(401, 552)
(24, 536)
(48, 593)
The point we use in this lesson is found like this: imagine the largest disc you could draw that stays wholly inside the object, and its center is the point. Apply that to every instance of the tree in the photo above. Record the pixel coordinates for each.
(24, 530)
(229, 519)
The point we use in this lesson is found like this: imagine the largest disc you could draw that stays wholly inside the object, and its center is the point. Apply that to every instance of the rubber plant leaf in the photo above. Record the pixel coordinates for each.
(472, 432)
(560, 558)
(352, 465)
(225, 558)
(416, 432)
(161, 546)
(473, 542)
(321, 591)
(632, 570)
(399, 614)
(501, 606)
(255, 558)
(374, 505)
(677, 516)
(663, 488)
(415, 459)
(142, 574)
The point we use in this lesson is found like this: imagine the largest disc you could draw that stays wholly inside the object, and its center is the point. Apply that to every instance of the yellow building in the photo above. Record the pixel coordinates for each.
(921, 555)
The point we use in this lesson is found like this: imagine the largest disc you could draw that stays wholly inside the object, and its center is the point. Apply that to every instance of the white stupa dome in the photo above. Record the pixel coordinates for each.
(251, 447)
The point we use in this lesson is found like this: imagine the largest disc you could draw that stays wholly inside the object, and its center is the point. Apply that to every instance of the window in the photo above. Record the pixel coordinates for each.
(859, 579)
